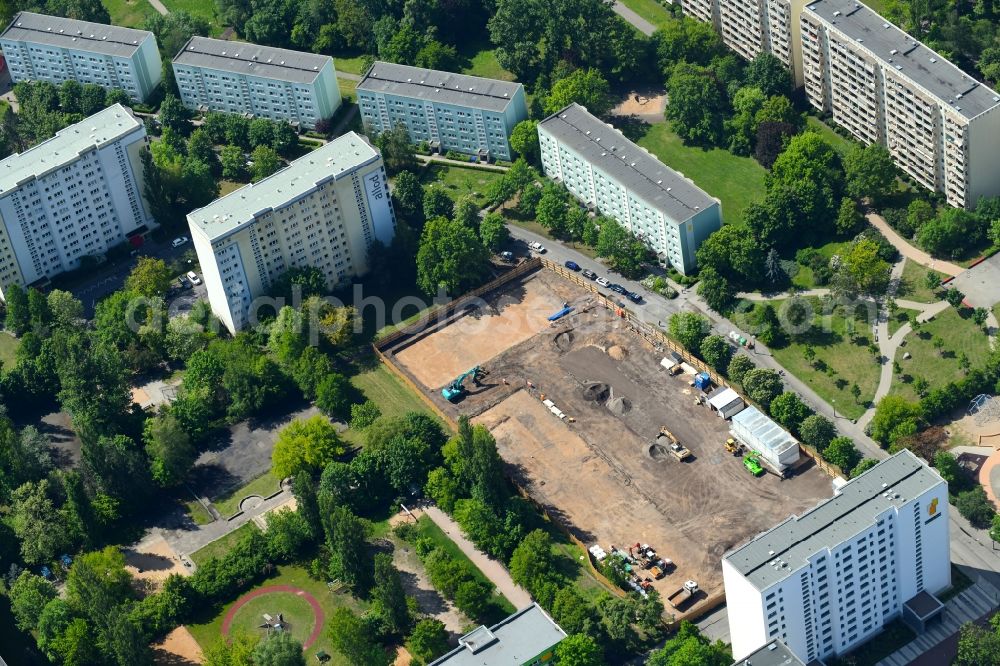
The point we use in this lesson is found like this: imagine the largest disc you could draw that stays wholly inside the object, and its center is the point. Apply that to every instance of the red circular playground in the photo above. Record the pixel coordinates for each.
(318, 615)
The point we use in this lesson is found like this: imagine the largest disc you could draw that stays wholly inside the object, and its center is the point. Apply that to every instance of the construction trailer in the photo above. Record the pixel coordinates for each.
(777, 448)
(726, 402)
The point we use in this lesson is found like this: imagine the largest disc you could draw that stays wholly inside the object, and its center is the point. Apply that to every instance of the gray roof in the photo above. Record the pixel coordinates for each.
(931, 71)
(764, 431)
(66, 146)
(775, 653)
(435, 86)
(635, 168)
(251, 59)
(336, 159)
(67, 33)
(783, 550)
(522, 636)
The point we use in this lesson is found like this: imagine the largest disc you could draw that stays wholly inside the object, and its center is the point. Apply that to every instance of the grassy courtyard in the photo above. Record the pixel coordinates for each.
(349, 64)
(129, 13)
(651, 10)
(205, 10)
(386, 390)
(913, 285)
(460, 181)
(484, 63)
(229, 503)
(940, 366)
(8, 349)
(736, 181)
(840, 362)
(209, 632)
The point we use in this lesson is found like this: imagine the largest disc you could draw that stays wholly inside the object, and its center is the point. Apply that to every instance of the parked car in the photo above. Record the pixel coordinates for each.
(634, 297)
(537, 247)
(617, 288)
(180, 240)
(589, 274)
(507, 256)
(603, 282)
(572, 265)
(193, 277)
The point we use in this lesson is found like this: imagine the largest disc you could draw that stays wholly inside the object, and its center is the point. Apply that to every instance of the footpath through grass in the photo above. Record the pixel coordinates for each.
(208, 633)
(913, 284)
(735, 181)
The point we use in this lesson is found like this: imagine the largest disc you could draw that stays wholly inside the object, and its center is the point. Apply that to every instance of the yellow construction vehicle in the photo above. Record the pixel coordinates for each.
(734, 447)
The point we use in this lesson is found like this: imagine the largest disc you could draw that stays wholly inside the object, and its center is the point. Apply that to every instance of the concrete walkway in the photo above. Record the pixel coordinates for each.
(970, 605)
(757, 296)
(492, 569)
(911, 252)
(438, 159)
(159, 6)
(639, 23)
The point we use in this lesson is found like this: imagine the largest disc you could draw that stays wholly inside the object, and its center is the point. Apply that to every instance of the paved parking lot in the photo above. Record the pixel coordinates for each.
(979, 283)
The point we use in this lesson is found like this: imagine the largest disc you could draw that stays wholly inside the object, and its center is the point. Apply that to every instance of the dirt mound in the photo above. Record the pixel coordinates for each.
(657, 452)
(616, 352)
(620, 406)
(564, 341)
(597, 392)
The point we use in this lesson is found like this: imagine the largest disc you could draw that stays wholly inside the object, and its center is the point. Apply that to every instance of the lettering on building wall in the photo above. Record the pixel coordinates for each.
(379, 206)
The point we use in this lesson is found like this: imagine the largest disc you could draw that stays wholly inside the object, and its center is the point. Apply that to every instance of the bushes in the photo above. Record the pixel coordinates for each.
(457, 581)
(976, 507)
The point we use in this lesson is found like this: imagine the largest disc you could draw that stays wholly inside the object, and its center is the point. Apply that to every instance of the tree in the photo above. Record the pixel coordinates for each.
(351, 638)
(305, 444)
(279, 649)
(856, 392)
(18, 317)
(28, 596)
(870, 172)
(408, 196)
(739, 366)
(954, 297)
(437, 203)
(364, 415)
(550, 211)
(36, 522)
(333, 395)
(389, 599)
(762, 386)
(947, 466)
(789, 410)
(233, 163)
(863, 270)
(346, 540)
(493, 231)
(696, 104)
(174, 115)
(169, 448)
(689, 329)
(65, 308)
(978, 646)
(261, 132)
(579, 650)
(716, 352)
(467, 212)
(809, 170)
(97, 584)
(686, 40)
(173, 30)
(397, 151)
(848, 217)
(715, 289)
(863, 466)
(980, 315)
(624, 252)
(817, 431)
(951, 233)
(842, 453)
(586, 87)
(524, 140)
(149, 278)
(428, 641)
(532, 561)
(450, 257)
(237, 650)
(200, 147)
(767, 73)
(266, 161)
(976, 507)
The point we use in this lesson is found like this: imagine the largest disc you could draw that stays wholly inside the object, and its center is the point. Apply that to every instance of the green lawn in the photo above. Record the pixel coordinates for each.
(736, 181)
(897, 320)
(459, 181)
(347, 88)
(295, 610)
(227, 186)
(913, 287)
(8, 347)
(390, 394)
(197, 512)
(202, 8)
(839, 143)
(484, 63)
(221, 546)
(129, 13)
(209, 632)
(651, 10)
(229, 503)
(960, 335)
(839, 362)
(426, 528)
(804, 278)
(351, 65)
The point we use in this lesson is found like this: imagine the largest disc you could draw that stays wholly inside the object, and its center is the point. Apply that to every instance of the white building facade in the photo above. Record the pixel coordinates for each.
(832, 578)
(76, 195)
(324, 210)
(467, 114)
(261, 81)
(38, 47)
(941, 125)
(606, 171)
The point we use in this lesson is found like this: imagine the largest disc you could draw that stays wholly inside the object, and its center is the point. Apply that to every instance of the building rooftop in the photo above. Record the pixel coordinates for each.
(775, 653)
(764, 431)
(66, 146)
(67, 33)
(645, 176)
(522, 636)
(435, 86)
(912, 59)
(778, 553)
(723, 397)
(251, 59)
(336, 159)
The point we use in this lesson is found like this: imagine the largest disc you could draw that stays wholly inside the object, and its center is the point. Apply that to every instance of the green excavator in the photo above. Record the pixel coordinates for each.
(455, 390)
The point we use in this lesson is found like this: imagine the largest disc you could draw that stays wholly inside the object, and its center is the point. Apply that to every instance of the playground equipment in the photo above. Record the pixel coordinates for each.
(456, 389)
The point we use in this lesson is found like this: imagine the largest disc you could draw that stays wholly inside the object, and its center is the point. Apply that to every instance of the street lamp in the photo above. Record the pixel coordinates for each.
(833, 401)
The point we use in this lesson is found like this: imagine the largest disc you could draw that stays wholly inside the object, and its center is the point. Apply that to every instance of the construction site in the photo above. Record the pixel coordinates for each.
(621, 452)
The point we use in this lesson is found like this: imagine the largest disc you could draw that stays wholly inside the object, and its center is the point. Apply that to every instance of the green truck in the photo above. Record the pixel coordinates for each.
(752, 462)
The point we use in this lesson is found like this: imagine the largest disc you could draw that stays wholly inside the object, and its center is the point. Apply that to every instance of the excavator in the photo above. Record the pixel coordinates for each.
(455, 390)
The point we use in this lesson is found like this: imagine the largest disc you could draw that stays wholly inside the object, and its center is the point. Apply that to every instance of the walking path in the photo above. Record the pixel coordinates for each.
(438, 159)
(911, 252)
(758, 296)
(159, 6)
(344, 75)
(492, 569)
(968, 606)
(639, 23)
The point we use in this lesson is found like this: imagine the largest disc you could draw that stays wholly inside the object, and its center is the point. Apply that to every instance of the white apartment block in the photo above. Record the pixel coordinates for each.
(49, 48)
(261, 81)
(752, 27)
(606, 171)
(324, 210)
(467, 114)
(75, 195)
(941, 125)
(830, 579)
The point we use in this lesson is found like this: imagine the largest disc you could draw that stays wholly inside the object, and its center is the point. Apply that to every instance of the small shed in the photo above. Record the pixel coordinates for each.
(778, 448)
(726, 402)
